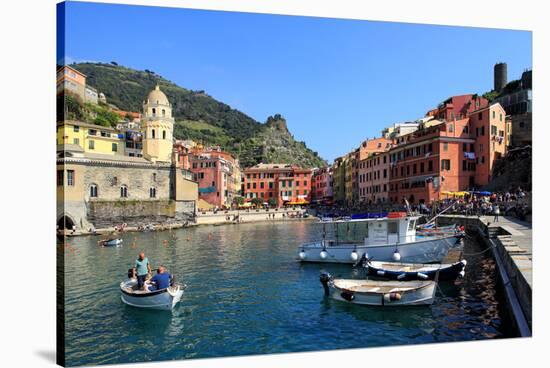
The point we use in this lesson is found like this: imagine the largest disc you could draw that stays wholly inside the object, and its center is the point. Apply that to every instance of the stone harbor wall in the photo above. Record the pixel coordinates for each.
(96, 198)
(104, 214)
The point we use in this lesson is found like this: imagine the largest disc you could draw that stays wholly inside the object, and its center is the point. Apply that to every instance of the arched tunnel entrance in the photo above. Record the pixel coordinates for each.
(65, 222)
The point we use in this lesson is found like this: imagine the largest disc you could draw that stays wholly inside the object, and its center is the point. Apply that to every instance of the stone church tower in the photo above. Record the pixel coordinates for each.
(158, 127)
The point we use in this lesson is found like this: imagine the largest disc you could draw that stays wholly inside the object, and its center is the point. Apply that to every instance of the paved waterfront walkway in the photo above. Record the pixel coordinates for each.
(519, 244)
(521, 232)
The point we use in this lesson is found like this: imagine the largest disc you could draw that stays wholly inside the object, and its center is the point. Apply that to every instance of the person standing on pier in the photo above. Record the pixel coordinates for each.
(141, 269)
(496, 212)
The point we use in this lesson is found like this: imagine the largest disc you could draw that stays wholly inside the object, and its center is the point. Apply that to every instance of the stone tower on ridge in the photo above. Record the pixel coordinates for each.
(158, 127)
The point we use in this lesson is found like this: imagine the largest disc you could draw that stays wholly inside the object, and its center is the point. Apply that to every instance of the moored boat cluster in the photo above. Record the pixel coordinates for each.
(405, 257)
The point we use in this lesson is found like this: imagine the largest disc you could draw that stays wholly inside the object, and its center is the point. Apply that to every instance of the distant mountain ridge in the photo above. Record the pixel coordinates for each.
(202, 118)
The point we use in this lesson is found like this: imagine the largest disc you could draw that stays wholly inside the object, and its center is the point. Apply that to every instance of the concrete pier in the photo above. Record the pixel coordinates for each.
(510, 241)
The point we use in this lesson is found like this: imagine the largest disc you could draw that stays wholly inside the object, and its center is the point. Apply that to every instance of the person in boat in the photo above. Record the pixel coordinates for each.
(141, 269)
(161, 280)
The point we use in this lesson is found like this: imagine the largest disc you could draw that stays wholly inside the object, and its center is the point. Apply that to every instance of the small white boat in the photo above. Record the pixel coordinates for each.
(415, 271)
(390, 238)
(110, 243)
(163, 299)
(379, 293)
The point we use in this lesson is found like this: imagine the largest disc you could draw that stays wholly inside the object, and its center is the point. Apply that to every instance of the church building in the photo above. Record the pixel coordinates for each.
(102, 188)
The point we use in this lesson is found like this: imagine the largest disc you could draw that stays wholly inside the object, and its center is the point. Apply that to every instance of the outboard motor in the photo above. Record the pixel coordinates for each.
(130, 273)
(325, 278)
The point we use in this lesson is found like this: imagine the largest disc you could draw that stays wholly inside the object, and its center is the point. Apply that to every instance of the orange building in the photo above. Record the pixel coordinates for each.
(448, 157)
(288, 184)
(70, 79)
(489, 128)
(426, 163)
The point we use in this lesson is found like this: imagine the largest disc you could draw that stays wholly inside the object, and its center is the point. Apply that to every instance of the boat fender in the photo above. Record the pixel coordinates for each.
(325, 278)
(354, 256)
(401, 276)
(461, 274)
(421, 275)
(392, 297)
(396, 256)
(380, 272)
(347, 295)
(323, 254)
(302, 255)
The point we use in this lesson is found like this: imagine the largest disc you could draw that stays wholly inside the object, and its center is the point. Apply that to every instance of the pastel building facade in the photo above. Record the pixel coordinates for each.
(451, 156)
(285, 183)
(322, 184)
(374, 178)
(217, 174)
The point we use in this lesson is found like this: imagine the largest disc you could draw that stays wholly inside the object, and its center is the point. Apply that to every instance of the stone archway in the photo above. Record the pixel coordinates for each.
(65, 222)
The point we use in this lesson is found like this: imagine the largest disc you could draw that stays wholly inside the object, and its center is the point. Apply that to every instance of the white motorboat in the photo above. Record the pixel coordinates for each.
(389, 238)
(379, 293)
(163, 299)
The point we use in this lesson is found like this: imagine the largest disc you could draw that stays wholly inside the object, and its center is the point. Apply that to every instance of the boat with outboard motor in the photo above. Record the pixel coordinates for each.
(379, 293)
(163, 299)
(388, 237)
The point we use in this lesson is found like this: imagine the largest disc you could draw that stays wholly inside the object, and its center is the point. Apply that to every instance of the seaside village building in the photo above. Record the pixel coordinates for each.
(373, 170)
(322, 185)
(452, 149)
(99, 184)
(450, 156)
(70, 79)
(287, 184)
(217, 173)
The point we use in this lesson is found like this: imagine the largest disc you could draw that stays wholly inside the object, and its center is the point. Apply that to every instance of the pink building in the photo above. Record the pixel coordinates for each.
(373, 178)
(217, 173)
(321, 185)
(458, 107)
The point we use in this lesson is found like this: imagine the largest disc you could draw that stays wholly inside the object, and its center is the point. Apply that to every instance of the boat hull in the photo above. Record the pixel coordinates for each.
(420, 293)
(159, 300)
(427, 250)
(112, 243)
(409, 272)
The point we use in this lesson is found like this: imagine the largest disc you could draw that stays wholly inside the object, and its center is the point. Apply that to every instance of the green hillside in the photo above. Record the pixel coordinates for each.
(202, 118)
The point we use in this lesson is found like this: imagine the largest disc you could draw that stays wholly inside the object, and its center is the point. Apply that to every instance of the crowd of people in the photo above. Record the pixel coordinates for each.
(508, 203)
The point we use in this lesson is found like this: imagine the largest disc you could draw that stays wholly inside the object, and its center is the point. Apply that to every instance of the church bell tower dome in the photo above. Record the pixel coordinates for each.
(158, 127)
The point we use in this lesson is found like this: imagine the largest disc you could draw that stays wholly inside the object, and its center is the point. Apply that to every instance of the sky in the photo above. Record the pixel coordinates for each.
(337, 82)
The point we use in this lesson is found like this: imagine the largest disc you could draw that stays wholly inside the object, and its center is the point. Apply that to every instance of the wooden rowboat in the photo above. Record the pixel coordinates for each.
(379, 293)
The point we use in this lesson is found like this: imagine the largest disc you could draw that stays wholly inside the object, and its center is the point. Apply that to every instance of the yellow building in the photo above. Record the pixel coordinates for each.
(158, 127)
(90, 137)
(99, 187)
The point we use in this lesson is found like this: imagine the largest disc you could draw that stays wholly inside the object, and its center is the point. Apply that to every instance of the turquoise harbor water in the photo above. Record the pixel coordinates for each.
(248, 295)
